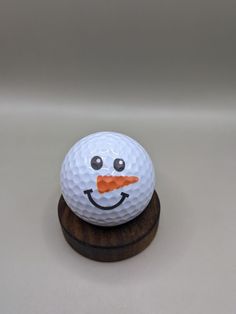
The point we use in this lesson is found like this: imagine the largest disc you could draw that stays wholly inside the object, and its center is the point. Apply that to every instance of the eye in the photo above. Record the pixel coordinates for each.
(119, 164)
(96, 162)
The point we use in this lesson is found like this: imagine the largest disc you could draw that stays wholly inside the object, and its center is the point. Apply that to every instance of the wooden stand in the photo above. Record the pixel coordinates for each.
(110, 244)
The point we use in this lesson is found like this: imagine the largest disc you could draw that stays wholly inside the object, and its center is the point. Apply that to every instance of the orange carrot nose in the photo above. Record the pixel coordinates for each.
(110, 183)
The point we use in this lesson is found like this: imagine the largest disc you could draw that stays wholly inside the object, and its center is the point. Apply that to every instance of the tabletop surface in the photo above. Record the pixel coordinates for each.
(190, 267)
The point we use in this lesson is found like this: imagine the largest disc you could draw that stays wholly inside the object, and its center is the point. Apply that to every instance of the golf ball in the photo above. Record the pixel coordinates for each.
(107, 178)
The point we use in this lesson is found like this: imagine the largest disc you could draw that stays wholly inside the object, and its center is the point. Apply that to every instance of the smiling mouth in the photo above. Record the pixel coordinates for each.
(89, 192)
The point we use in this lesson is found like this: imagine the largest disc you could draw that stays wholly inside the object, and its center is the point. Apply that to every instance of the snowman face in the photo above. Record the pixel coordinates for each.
(107, 178)
(109, 183)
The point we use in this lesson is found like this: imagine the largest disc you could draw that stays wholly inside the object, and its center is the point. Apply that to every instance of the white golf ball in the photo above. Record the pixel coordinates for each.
(107, 178)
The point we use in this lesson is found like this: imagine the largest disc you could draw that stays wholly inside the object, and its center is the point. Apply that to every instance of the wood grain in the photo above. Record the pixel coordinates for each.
(109, 244)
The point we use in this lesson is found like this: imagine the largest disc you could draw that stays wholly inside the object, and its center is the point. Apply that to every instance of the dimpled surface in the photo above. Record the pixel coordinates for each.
(77, 175)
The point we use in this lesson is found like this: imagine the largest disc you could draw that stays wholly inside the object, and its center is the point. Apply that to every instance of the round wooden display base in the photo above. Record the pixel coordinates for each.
(110, 244)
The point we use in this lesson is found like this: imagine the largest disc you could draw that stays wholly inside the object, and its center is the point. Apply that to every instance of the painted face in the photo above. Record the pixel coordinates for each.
(107, 178)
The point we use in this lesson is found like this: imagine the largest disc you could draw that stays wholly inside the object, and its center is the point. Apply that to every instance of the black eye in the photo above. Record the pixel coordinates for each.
(96, 162)
(119, 164)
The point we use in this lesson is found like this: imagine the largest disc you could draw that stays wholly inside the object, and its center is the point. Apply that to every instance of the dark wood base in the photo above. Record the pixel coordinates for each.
(110, 244)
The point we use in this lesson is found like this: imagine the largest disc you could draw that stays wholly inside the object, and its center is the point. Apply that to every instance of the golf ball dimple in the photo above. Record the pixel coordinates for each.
(107, 178)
